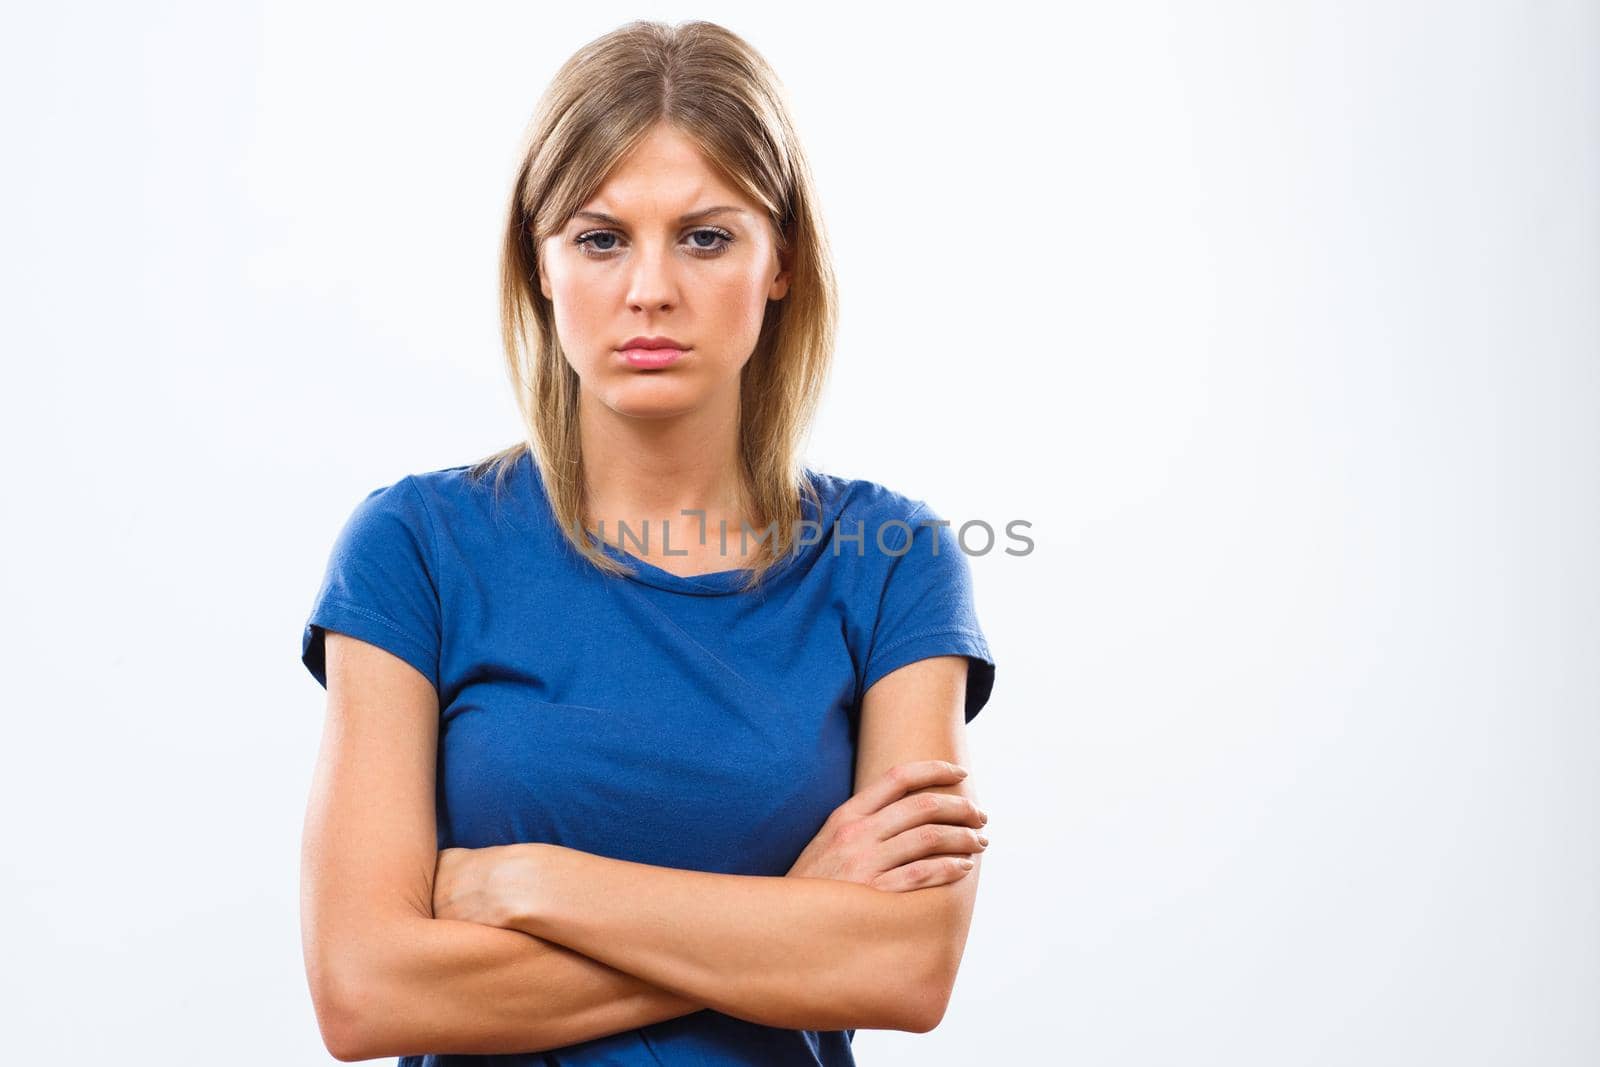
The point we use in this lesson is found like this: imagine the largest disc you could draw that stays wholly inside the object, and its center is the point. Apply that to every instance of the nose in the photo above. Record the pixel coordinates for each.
(653, 284)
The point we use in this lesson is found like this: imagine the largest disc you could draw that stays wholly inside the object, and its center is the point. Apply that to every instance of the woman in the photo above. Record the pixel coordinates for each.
(693, 801)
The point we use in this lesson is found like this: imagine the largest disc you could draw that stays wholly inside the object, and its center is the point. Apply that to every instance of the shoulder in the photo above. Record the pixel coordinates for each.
(864, 500)
(411, 499)
(460, 496)
(893, 524)
(447, 485)
(434, 507)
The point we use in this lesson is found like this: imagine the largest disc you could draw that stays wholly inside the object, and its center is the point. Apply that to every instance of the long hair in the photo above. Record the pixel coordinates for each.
(712, 86)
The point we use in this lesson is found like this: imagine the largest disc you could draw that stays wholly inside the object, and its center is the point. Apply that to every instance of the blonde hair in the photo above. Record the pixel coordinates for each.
(712, 86)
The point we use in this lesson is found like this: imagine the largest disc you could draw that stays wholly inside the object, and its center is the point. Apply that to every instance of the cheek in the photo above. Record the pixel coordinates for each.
(579, 310)
(741, 301)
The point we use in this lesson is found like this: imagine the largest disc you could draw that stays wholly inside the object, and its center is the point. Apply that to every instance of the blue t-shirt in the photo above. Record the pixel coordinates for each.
(655, 718)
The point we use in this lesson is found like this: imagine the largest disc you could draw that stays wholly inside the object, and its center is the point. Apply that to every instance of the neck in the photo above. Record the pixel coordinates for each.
(639, 470)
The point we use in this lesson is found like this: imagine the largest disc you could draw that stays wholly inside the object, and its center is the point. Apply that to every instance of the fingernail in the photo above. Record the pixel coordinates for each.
(983, 818)
(961, 772)
(984, 841)
(966, 864)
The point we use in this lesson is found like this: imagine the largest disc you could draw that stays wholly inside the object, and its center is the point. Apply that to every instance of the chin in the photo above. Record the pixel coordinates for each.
(651, 400)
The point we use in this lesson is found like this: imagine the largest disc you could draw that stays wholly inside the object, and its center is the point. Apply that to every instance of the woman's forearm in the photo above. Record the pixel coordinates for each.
(800, 953)
(439, 985)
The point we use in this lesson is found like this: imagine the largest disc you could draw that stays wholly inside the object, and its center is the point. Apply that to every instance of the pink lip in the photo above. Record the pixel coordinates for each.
(651, 358)
(651, 342)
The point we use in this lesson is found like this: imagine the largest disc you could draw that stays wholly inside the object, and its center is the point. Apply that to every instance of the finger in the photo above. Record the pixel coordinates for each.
(931, 871)
(932, 839)
(928, 808)
(899, 780)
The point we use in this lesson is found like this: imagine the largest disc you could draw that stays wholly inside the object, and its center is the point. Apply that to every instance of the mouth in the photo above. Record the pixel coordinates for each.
(651, 357)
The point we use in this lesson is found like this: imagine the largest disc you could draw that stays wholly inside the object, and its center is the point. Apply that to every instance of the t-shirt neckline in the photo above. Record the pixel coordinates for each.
(712, 583)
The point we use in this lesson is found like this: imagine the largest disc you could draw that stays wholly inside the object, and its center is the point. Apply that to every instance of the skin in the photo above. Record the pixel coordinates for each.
(533, 946)
(659, 441)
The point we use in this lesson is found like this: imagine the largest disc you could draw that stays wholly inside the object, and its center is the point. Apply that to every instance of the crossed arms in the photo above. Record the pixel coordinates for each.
(612, 945)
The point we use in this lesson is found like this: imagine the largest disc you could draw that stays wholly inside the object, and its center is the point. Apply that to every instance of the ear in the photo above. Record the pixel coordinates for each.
(780, 284)
(544, 284)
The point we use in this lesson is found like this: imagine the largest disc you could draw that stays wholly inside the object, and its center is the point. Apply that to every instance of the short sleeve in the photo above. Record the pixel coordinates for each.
(927, 607)
(380, 584)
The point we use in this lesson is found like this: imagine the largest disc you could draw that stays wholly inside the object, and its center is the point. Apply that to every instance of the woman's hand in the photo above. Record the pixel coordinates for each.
(888, 838)
(485, 885)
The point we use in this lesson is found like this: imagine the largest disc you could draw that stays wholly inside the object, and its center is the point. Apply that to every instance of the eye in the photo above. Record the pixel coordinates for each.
(586, 240)
(716, 235)
(720, 239)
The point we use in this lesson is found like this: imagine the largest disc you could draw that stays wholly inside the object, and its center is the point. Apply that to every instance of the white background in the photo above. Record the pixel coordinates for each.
(1277, 321)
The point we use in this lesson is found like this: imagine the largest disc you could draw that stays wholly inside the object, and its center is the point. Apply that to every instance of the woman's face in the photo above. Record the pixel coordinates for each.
(647, 257)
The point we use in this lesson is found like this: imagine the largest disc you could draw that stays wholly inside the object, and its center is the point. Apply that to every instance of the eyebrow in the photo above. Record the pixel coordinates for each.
(693, 216)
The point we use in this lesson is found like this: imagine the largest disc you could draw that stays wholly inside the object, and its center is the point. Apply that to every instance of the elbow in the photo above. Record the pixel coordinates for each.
(926, 953)
(925, 1005)
(341, 1023)
(931, 976)
(339, 1050)
(923, 993)
(338, 1028)
(350, 1008)
(364, 982)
